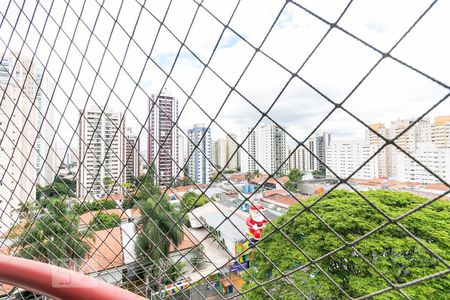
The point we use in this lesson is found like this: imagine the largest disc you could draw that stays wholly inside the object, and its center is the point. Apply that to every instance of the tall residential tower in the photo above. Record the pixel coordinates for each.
(101, 152)
(199, 153)
(267, 150)
(17, 135)
(162, 152)
(132, 155)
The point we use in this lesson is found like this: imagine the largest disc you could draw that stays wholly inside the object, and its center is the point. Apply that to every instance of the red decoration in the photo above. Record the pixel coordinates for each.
(256, 222)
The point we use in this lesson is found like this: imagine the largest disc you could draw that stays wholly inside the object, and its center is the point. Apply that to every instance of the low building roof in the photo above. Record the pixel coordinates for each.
(436, 187)
(188, 242)
(210, 192)
(237, 177)
(105, 251)
(279, 180)
(259, 179)
(116, 196)
(185, 188)
(282, 200)
(275, 192)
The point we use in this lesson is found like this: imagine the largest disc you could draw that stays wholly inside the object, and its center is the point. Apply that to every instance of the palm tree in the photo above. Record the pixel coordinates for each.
(156, 232)
(54, 237)
(27, 210)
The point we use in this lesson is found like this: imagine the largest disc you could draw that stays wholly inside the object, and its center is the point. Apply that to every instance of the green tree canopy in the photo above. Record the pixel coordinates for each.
(391, 250)
(295, 175)
(320, 172)
(59, 188)
(96, 205)
(190, 201)
(146, 187)
(183, 181)
(103, 220)
(54, 236)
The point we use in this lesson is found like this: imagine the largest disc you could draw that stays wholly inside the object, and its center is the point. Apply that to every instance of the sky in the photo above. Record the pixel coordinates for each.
(127, 73)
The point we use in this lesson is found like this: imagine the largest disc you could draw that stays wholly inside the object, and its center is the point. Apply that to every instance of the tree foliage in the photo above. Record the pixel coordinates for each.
(396, 255)
(54, 236)
(146, 187)
(183, 181)
(198, 256)
(96, 205)
(158, 228)
(104, 220)
(27, 210)
(191, 201)
(58, 189)
(320, 172)
(295, 175)
(159, 219)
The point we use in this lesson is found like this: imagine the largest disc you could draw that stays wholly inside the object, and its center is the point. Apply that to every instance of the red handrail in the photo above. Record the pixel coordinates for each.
(56, 282)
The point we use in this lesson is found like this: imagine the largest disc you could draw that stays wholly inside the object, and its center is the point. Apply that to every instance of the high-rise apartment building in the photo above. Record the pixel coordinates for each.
(181, 153)
(293, 158)
(385, 156)
(345, 157)
(219, 155)
(101, 152)
(199, 153)
(267, 150)
(437, 134)
(17, 135)
(47, 162)
(437, 159)
(132, 155)
(232, 152)
(162, 152)
(312, 156)
(440, 132)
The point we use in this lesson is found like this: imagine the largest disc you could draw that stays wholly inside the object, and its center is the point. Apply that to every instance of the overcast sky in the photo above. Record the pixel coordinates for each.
(392, 91)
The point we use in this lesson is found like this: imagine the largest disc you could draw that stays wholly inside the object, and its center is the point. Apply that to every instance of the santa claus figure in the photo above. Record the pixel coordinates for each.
(256, 222)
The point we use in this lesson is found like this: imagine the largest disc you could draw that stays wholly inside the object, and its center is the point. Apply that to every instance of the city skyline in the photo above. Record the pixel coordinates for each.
(225, 149)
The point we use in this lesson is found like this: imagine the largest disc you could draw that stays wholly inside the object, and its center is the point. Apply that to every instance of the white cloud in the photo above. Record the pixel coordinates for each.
(392, 91)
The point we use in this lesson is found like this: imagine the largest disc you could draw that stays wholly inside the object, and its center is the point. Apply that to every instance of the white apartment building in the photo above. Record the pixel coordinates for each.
(132, 155)
(267, 150)
(232, 147)
(385, 156)
(47, 160)
(181, 153)
(407, 141)
(71, 156)
(219, 155)
(162, 151)
(309, 157)
(345, 157)
(101, 152)
(437, 159)
(293, 158)
(17, 135)
(436, 133)
(199, 154)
